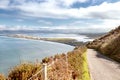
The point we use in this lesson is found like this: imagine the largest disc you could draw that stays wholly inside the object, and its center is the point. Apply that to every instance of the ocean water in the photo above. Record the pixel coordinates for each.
(13, 51)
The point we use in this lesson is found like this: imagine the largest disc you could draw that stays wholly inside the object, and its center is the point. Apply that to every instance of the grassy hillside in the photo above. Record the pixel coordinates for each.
(72, 66)
(108, 44)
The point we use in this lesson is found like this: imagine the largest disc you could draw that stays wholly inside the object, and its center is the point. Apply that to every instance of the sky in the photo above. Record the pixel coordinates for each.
(66, 15)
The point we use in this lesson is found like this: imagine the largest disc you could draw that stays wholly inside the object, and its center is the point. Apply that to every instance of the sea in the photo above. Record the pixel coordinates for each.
(14, 51)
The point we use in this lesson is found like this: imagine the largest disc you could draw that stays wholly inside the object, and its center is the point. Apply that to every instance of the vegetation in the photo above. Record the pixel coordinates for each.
(23, 71)
(2, 77)
(68, 41)
(85, 70)
(79, 62)
(108, 44)
(72, 65)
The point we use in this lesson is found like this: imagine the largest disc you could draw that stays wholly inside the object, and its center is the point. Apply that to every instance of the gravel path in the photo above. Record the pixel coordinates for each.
(101, 67)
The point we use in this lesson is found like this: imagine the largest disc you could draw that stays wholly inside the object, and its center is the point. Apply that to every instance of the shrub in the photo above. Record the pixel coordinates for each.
(2, 77)
(23, 71)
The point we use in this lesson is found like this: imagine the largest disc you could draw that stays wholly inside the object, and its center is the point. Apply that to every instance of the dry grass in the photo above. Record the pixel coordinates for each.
(23, 71)
(66, 66)
(2, 77)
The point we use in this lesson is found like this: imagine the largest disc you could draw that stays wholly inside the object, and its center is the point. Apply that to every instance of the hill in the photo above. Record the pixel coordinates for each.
(108, 44)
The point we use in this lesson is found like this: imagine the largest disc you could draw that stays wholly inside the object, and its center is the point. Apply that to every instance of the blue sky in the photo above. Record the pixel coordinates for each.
(79, 15)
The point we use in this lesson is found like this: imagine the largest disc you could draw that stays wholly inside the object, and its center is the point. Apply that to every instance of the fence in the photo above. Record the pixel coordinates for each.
(45, 68)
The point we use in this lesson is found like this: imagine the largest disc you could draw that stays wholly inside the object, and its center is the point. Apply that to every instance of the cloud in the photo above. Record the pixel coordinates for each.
(63, 9)
(19, 20)
(17, 27)
(52, 10)
(2, 27)
(97, 25)
(4, 4)
(45, 22)
(105, 26)
(107, 13)
(68, 3)
(104, 11)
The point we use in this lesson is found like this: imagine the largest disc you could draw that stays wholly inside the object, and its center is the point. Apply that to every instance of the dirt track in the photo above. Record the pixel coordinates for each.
(101, 67)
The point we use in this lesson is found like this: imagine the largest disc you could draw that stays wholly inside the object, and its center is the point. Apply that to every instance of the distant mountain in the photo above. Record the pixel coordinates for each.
(108, 44)
(59, 31)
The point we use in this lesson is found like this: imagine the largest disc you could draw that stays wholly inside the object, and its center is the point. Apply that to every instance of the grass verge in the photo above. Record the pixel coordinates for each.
(85, 70)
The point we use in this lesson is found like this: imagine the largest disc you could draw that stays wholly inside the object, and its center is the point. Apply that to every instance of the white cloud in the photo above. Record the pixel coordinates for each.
(17, 27)
(2, 27)
(53, 9)
(108, 13)
(45, 22)
(105, 26)
(4, 4)
(19, 20)
(105, 10)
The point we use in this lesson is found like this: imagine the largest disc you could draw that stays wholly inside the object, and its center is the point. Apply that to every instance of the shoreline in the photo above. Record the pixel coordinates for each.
(54, 48)
(68, 41)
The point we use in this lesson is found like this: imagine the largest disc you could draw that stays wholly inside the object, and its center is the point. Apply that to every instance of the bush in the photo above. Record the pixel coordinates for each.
(23, 71)
(2, 77)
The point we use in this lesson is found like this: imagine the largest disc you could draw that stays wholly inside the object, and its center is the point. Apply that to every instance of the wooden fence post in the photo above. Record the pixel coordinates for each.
(44, 71)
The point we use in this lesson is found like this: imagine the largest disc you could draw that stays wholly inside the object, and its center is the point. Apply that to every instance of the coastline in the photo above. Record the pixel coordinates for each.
(76, 52)
(37, 51)
(68, 41)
